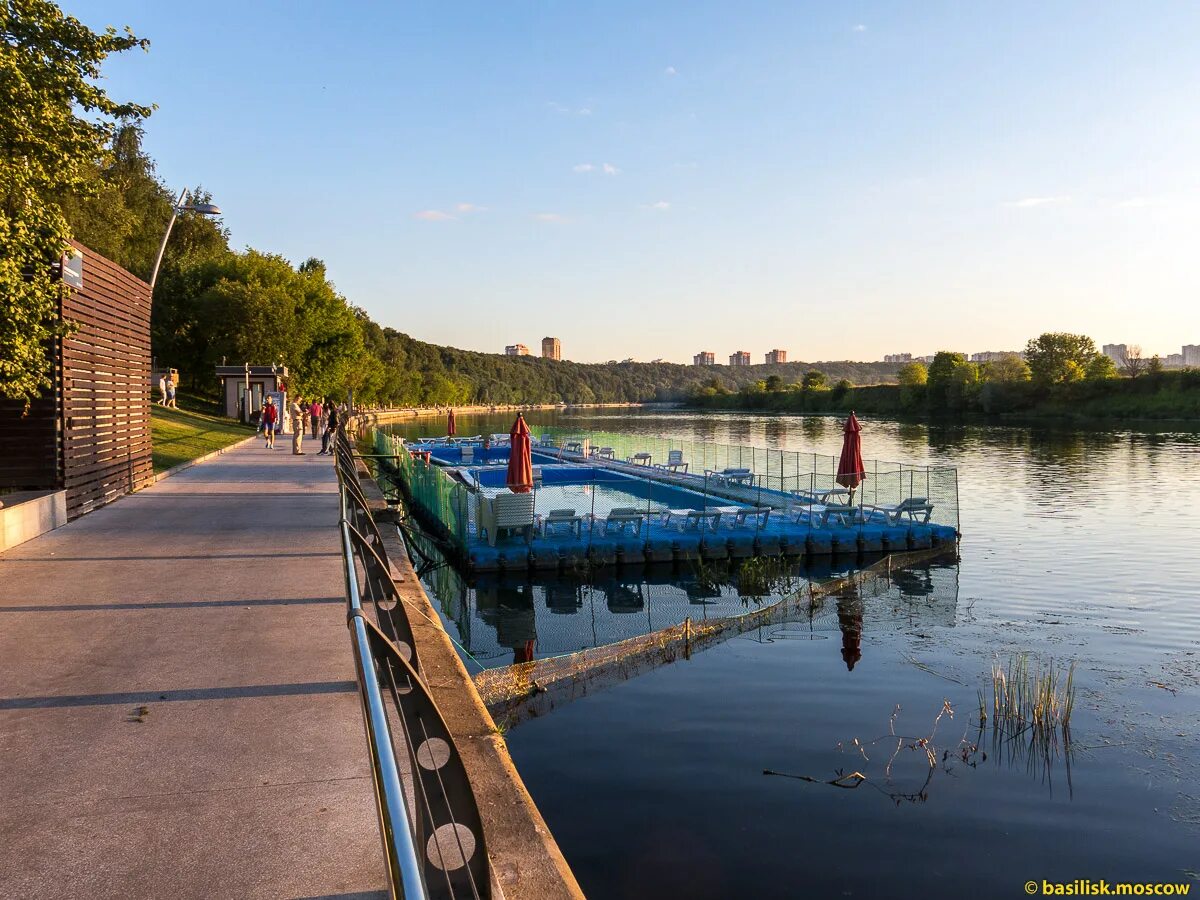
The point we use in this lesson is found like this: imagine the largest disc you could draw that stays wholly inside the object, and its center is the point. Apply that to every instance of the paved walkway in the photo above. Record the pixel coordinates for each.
(177, 707)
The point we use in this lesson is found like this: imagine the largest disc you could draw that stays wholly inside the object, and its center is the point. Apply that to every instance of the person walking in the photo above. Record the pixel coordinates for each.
(162, 390)
(270, 415)
(314, 414)
(332, 420)
(298, 427)
(171, 393)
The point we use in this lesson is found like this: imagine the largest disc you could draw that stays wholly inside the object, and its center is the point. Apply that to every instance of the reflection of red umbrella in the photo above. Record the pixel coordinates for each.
(520, 460)
(850, 467)
(450, 423)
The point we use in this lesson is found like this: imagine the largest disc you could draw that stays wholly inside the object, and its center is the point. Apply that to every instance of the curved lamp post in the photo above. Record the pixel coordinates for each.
(205, 209)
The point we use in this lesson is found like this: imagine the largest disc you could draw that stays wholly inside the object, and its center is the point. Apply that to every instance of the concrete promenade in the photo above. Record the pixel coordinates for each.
(177, 707)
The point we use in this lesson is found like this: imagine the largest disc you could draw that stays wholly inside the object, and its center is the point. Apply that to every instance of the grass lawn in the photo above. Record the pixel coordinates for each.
(180, 435)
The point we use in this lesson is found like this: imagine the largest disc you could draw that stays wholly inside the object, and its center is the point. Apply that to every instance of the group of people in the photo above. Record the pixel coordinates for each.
(166, 390)
(322, 418)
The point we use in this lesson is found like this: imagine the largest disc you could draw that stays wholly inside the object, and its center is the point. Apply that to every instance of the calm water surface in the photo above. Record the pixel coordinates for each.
(1077, 545)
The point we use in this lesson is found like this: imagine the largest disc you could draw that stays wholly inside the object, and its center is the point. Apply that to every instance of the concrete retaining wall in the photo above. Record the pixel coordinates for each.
(27, 514)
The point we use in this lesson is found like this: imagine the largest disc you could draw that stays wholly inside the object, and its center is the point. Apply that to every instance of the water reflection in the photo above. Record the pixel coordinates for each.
(499, 619)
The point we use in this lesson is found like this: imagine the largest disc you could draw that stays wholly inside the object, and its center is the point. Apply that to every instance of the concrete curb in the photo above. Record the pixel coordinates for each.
(175, 470)
(527, 863)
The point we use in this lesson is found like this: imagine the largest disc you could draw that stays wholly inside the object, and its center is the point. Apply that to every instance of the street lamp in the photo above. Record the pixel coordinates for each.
(205, 209)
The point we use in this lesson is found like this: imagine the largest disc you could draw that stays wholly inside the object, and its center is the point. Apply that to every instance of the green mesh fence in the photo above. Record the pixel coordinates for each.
(428, 487)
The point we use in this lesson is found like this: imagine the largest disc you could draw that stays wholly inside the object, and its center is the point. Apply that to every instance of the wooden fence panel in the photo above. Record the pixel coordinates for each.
(106, 386)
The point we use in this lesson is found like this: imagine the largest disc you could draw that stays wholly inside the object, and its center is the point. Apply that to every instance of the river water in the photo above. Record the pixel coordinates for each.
(1079, 546)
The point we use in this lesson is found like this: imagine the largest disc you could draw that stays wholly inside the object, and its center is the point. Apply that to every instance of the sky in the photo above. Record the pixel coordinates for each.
(649, 180)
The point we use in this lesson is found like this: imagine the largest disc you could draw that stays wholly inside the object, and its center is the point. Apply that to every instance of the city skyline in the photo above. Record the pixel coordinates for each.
(636, 166)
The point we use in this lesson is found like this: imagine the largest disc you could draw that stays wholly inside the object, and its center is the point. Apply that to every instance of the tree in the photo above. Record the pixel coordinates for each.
(774, 383)
(1155, 366)
(1134, 364)
(913, 374)
(1057, 357)
(1008, 368)
(813, 379)
(1101, 368)
(55, 127)
(952, 380)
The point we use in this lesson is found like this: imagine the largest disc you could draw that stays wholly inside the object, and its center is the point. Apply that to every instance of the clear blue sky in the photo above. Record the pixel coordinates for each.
(652, 179)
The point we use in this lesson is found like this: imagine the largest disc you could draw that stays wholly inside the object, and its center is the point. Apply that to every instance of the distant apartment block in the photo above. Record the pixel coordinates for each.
(776, 356)
(704, 358)
(1173, 361)
(898, 358)
(739, 358)
(551, 348)
(1191, 354)
(1118, 353)
(995, 355)
(516, 350)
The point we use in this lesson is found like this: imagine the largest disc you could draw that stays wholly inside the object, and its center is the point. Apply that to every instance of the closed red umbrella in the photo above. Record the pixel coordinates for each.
(850, 467)
(520, 458)
(450, 423)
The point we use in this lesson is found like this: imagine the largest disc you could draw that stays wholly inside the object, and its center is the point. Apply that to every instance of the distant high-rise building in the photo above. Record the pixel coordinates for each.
(704, 358)
(1173, 361)
(1191, 354)
(995, 355)
(776, 356)
(739, 358)
(551, 348)
(1118, 353)
(898, 358)
(516, 350)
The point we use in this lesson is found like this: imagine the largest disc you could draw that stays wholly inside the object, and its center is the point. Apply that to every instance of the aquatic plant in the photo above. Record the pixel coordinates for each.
(1038, 696)
(760, 576)
(932, 759)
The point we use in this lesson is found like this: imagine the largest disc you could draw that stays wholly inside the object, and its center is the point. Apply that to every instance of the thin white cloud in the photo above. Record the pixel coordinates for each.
(562, 109)
(670, 70)
(1030, 202)
(860, 27)
(1135, 203)
(469, 208)
(587, 168)
(433, 215)
(659, 205)
(551, 217)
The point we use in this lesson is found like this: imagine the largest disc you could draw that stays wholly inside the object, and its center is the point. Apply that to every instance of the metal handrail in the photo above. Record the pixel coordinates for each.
(395, 828)
(434, 845)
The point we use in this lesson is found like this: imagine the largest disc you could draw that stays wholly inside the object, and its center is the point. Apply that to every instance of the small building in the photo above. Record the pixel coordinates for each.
(516, 350)
(739, 358)
(775, 357)
(551, 348)
(897, 358)
(704, 358)
(255, 381)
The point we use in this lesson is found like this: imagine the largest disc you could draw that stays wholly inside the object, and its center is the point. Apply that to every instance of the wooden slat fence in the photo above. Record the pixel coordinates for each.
(91, 434)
